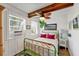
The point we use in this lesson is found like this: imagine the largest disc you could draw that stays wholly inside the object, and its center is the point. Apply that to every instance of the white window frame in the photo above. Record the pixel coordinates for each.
(14, 20)
(35, 29)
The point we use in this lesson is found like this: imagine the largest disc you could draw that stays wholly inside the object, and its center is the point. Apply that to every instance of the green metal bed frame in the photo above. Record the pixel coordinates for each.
(37, 50)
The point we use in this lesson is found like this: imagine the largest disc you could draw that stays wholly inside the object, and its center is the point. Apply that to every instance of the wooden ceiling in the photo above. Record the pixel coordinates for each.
(50, 8)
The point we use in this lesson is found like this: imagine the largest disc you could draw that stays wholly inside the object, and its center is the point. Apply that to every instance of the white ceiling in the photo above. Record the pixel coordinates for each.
(29, 7)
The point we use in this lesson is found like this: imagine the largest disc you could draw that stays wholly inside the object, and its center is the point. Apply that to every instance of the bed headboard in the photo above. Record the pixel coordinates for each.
(50, 31)
(54, 32)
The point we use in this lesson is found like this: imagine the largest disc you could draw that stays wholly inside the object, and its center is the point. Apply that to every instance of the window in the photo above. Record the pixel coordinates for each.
(16, 23)
(34, 27)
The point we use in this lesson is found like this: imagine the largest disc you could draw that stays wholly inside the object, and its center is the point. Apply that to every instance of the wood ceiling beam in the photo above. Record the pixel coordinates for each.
(1, 7)
(50, 8)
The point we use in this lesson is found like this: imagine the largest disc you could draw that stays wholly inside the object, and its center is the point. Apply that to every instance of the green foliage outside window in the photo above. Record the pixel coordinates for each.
(42, 23)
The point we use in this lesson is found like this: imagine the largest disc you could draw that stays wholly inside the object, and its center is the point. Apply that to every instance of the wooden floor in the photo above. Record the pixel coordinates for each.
(63, 52)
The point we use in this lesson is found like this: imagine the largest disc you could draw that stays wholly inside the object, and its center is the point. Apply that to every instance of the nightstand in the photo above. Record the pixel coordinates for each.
(63, 43)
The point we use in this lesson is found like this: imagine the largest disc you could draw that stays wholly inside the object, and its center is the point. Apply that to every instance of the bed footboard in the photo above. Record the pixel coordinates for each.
(38, 48)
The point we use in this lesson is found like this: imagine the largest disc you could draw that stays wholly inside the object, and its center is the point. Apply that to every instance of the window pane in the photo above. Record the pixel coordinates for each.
(34, 27)
(16, 23)
(13, 23)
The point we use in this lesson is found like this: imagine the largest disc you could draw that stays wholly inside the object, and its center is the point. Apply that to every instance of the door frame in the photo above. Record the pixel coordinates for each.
(1, 31)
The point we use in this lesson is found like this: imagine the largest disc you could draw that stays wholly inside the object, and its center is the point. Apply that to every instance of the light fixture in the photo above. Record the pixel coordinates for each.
(43, 16)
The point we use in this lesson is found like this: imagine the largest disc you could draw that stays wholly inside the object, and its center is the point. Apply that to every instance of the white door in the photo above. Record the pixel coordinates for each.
(20, 43)
(74, 42)
(12, 47)
(6, 48)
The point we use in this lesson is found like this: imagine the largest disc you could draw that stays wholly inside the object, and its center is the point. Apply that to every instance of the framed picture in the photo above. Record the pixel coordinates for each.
(28, 27)
(51, 27)
(75, 23)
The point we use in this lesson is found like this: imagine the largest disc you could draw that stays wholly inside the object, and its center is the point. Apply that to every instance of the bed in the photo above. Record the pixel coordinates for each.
(41, 46)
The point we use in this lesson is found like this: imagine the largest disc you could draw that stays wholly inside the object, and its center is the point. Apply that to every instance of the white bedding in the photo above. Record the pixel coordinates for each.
(52, 41)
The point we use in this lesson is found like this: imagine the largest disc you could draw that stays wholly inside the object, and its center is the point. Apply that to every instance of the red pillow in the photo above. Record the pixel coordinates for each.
(51, 36)
(43, 35)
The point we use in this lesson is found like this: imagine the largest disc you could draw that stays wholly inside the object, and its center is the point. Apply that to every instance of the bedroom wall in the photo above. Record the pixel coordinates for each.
(60, 18)
(36, 19)
(72, 13)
